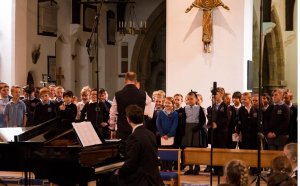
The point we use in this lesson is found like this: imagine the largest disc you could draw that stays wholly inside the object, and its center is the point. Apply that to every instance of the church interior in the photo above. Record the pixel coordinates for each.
(172, 45)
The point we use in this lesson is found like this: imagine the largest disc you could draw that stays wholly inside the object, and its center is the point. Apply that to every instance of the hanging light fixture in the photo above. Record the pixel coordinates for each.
(132, 25)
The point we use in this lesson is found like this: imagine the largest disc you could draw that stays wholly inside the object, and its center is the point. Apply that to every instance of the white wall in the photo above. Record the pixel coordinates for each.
(188, 67)
(6, 41)
(20, 70)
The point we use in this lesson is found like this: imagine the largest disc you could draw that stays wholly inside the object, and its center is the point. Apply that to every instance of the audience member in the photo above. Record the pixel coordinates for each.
(236, 173)
(281, 170)
(291, 151)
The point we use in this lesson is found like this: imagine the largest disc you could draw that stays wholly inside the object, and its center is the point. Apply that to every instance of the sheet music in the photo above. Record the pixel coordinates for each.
(86, 133)
(149, 109)
(167, 142)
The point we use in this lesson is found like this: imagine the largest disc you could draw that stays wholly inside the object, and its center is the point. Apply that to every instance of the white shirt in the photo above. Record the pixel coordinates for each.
(138, 125)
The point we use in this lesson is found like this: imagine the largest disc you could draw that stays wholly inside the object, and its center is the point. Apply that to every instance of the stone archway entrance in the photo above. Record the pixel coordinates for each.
(149, 56)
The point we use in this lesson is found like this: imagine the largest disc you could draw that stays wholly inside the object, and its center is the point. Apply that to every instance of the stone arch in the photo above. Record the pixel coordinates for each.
(273, 59)
(140, 58)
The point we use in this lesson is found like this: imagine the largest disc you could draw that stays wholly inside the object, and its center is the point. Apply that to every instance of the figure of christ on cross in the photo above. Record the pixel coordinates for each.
(207, 6)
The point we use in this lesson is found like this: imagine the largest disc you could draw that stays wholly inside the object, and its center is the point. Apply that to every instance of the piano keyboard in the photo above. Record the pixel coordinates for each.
(108, 167)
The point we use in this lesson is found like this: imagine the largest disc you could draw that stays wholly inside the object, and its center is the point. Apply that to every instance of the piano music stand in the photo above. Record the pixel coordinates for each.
(86, 134)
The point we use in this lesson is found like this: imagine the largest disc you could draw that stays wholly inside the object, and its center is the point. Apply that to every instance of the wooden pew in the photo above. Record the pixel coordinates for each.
(201, 156)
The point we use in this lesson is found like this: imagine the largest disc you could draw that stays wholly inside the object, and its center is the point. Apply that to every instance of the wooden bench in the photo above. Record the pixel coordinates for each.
(201, 156)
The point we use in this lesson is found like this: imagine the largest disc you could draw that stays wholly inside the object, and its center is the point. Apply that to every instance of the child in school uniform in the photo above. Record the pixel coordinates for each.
(150, 122)
(4, 99)
(178, 99)
(67, 110)
(15, 109)
(167, 120)
(59, 99)
(195, 132)
(232, 123)
(218, 122)
(89, 113)
(85, 98)
(247, 122)
(166, 124)
(44, 110)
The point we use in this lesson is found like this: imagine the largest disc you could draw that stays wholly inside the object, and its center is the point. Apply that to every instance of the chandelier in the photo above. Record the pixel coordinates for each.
(132, 26)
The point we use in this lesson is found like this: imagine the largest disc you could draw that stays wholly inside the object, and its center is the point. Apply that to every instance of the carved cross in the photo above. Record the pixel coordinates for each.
(59, 76)
(207, 6)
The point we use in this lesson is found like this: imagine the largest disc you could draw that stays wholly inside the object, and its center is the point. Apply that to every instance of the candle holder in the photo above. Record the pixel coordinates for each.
(132, 26)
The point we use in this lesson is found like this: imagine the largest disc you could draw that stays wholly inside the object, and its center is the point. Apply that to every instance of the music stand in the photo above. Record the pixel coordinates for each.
(213, 93)
(265, 28)
(95, 33)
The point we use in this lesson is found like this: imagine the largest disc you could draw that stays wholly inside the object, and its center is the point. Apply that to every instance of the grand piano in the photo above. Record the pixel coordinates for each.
(51, 150)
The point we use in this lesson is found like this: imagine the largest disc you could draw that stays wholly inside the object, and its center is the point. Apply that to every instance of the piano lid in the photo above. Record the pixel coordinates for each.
(32, 133)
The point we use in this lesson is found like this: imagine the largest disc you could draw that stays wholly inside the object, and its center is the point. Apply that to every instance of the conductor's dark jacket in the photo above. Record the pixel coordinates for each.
(129, 95)
(141, 160)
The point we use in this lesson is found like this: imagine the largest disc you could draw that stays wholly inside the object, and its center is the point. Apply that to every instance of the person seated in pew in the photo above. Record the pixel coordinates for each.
(290, 151)
(281, 171)
(236, 172)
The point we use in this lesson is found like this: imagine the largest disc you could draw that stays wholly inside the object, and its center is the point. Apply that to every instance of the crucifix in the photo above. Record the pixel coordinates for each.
(59, 76)
(207, 6)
